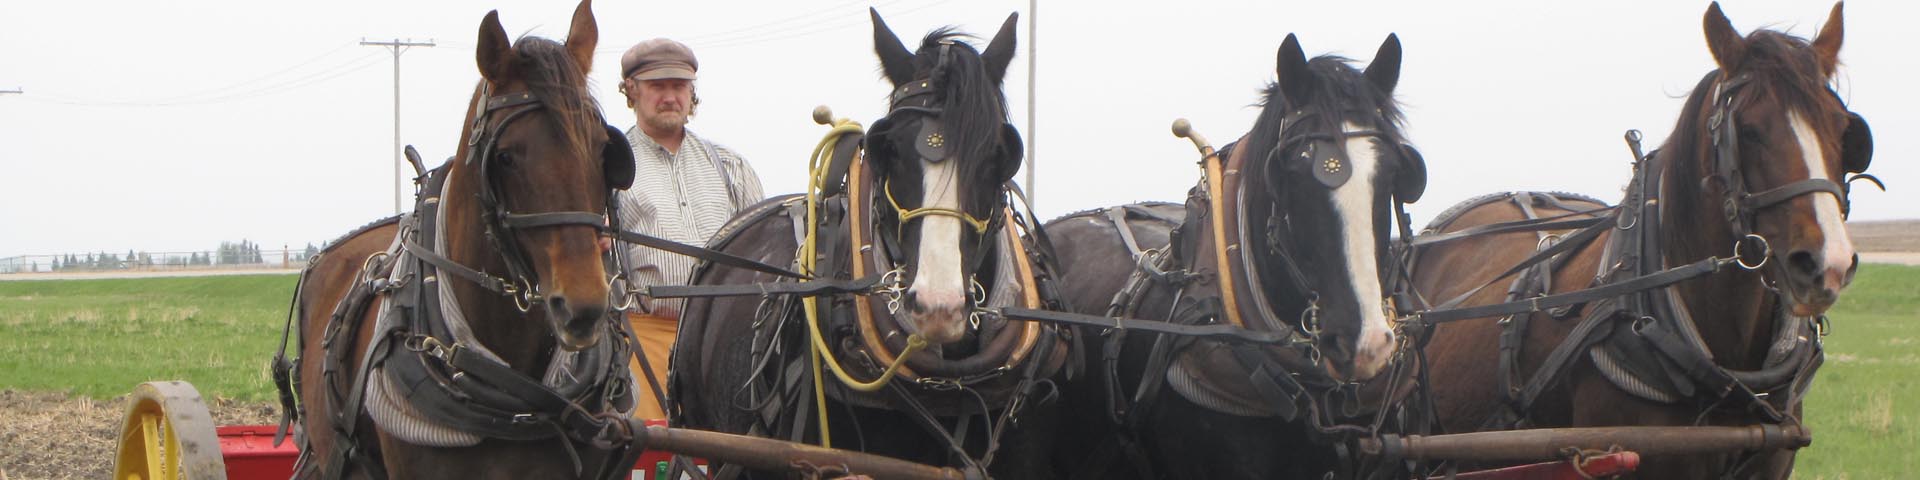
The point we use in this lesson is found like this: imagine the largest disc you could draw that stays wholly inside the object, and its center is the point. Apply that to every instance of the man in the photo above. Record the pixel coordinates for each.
(685, 187)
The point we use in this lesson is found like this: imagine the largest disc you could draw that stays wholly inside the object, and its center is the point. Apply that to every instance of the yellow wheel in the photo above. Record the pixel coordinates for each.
(168, 435)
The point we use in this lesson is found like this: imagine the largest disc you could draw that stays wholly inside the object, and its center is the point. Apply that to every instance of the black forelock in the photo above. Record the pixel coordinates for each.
(1339, 93)
(973, 107)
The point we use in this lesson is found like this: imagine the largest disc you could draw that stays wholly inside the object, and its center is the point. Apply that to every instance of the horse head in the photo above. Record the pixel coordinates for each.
(1772, 143)
(1326, 164)
(942, 155)
(542, 162)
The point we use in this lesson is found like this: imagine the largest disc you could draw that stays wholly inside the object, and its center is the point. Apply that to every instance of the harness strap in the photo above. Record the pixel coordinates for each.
(808, 288)
(1789, 191)
(531, 220)
(1280, 389)
(489, 282)
(1551, 370)
(347, 419)
(1537, 304)
(702, 253)
(1218, 332)
(1118, 216)
(1569, 243)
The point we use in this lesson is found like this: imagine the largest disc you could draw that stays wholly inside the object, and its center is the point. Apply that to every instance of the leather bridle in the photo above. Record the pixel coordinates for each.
(522, 283)
(1329, 166)
(1740, 206)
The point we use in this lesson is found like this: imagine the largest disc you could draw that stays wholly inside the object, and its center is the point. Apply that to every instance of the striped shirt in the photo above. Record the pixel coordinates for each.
(683, 197)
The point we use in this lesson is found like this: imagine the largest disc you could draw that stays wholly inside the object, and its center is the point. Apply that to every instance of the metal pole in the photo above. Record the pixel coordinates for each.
(397, 46)
(396, 130)
(1033, 129)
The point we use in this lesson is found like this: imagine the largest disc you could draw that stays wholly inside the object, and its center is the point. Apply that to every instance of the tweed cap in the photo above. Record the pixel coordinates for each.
(658, 58)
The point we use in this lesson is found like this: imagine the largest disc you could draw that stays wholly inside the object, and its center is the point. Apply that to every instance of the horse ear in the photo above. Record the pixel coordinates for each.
(1384, 71)
(494, 52)
(1726, 44)
(895, 61)
(1826, 46)
(1000, 50)
(1292, 70)
(582, 36)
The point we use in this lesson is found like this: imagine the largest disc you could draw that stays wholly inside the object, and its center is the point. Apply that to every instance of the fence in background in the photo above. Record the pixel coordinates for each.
(155, 261)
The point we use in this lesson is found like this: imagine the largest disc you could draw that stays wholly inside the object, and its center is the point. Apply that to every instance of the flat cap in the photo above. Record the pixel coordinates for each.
(659, 58)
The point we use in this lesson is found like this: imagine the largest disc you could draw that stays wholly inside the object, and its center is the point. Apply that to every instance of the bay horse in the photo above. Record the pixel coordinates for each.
(1295, 242)
(927, 213)
(1754, 163)
(470, 337)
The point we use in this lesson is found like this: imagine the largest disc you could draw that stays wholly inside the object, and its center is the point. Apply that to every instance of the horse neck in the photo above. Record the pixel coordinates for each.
(518, 338)
(1732, 308)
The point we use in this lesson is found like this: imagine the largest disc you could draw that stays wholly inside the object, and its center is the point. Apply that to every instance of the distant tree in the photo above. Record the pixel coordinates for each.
(56, 263)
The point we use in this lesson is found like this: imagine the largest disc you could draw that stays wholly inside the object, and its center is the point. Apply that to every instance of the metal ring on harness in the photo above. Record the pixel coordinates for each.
(629, 297)
(1766, 252)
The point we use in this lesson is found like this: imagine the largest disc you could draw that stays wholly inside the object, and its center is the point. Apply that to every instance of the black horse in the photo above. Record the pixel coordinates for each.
(927, 214)
(1307, 200)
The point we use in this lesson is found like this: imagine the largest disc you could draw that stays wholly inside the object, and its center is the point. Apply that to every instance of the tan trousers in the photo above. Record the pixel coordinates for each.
(656, 336)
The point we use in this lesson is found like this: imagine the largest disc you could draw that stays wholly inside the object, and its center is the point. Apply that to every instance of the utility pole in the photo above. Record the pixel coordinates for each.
(1033, 129)
(397, 46)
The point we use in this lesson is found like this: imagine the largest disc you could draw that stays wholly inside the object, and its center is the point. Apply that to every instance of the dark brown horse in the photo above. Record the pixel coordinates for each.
(927, 212)
(1295, 244)
(475, 328)
(1752, 170)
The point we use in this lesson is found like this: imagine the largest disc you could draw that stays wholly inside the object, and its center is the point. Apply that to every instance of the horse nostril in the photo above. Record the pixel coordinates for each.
(557, 305)
(1804, 265)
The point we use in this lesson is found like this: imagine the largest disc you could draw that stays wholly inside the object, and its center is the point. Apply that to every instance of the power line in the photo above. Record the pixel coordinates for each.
(774, 36)
(397, 46)
(228, 89)
(285, 86)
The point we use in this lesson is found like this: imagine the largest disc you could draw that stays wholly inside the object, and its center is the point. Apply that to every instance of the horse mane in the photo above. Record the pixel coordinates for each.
(550, 72)
(1337, 86)
(328, 246)
(974, 107)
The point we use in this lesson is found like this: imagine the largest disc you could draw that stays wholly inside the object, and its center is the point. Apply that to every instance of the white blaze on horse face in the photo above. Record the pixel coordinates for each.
(939, 285)
(1353, 204)
(1836, 254)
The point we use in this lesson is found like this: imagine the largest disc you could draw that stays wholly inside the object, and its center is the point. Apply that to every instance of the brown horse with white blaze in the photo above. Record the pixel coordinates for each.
(1756, 162)
(500, 300)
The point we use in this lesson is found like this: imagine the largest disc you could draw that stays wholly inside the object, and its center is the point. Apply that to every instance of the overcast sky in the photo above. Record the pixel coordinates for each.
(170, 126)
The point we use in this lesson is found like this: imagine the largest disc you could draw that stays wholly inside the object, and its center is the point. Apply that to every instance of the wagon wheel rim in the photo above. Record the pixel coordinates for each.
(168, 435)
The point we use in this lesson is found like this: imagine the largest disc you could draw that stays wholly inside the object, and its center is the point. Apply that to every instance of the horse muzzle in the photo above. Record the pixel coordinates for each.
(941, 319)
(577, 324)
(1814, 281)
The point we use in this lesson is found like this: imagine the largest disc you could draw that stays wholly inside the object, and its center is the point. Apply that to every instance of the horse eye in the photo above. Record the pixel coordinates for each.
(505, 159)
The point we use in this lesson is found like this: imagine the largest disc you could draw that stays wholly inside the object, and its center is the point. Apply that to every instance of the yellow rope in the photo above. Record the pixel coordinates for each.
(816, 172)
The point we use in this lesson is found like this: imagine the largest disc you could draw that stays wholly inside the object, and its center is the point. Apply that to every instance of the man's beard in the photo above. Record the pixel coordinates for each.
(664, 121)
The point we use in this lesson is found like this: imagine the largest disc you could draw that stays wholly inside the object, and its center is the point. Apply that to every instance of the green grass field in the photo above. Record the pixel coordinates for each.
(1863, 410)
(99, 338)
